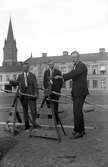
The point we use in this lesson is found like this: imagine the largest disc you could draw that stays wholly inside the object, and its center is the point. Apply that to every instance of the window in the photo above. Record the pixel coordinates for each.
(0, 86)
(95, 69)
(95, 84)
(0, 78)
(88, 83)
(88, 68)
(14, 77)
(64, 85)
(70, 67)
(102, 83)
(7, 77)
(102, 69)
(70, 84)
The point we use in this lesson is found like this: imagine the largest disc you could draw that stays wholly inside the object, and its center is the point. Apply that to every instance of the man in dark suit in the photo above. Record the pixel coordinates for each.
(28, 85)
(79, 92)
(53, 85)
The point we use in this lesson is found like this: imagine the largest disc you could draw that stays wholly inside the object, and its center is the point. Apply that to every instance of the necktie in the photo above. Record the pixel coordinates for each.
(50, 73)
(51, 76)
(74, 66)
(25, 76)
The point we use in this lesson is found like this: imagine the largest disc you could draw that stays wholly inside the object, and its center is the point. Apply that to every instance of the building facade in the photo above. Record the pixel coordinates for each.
(97, 65)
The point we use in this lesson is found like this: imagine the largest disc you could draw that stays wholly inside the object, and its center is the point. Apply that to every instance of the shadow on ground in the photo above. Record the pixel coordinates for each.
(6, 143)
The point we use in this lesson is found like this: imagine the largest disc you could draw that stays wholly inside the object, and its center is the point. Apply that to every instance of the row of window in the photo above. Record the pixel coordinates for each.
(92, 69)
(8, 77)
(64, 70)
(95, 84)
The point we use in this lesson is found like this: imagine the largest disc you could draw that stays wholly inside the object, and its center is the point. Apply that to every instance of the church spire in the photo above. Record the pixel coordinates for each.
(10, 50)
(10, 32)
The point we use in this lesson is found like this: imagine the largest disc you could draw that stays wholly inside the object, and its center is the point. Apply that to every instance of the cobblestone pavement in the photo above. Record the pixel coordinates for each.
(89, 151)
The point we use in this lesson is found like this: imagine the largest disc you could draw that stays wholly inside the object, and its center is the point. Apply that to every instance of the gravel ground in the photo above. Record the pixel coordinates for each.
(89, 151)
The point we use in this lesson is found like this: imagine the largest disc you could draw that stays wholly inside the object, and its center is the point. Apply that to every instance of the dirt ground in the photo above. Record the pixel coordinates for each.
(89, 151)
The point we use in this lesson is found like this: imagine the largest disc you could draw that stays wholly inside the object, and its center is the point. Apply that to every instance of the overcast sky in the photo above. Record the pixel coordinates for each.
(54, 26)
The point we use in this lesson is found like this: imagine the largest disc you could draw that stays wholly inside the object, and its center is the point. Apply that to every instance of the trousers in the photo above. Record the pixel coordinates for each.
(33, 110)
(78, 113)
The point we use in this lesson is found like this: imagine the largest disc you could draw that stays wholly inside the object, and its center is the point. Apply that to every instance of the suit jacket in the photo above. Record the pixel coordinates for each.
(56, 83)
(32, 87)
(79, 78)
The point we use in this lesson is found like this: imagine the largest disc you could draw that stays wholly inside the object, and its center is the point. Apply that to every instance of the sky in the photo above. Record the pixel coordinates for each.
(54, 26)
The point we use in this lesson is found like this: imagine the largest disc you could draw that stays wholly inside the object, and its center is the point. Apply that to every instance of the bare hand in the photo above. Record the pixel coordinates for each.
(58, 77)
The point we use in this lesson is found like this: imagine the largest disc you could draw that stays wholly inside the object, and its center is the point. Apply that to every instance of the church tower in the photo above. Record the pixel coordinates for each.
(10, 50)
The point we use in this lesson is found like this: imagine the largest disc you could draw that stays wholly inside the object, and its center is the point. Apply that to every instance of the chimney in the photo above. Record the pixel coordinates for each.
(101, 51)
(44, 54)
(65, 53)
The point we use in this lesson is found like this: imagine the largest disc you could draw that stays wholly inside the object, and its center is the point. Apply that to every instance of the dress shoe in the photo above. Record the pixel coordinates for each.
(27, 127)
(77, 135)
(83, 132)
(74, 132)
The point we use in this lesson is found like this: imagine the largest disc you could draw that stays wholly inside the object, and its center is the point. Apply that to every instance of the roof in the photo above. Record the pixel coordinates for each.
(93, 57)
